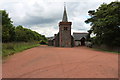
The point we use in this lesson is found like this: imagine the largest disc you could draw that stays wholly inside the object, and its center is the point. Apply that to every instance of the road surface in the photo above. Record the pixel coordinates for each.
(56, 62)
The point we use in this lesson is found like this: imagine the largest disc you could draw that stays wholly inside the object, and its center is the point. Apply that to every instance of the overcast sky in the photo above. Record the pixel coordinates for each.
(43, 16)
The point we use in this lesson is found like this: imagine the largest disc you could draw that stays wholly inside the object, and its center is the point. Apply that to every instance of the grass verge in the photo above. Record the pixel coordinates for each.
(12, 48)
(99, 49)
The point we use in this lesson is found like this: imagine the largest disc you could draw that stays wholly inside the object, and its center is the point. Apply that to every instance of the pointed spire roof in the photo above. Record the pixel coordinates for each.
(64, 19)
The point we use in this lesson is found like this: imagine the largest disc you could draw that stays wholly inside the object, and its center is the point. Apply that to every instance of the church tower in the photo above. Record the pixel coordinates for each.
(65, 31)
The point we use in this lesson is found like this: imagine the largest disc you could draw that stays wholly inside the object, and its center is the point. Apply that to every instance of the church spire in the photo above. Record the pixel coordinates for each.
(65, 15)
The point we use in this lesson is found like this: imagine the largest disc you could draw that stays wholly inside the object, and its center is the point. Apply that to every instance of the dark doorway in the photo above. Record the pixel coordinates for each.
(82, 41)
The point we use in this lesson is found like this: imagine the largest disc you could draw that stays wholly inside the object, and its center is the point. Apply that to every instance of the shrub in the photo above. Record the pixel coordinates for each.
(43, 42)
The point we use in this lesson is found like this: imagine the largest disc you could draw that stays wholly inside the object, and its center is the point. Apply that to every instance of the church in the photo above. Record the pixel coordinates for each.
(64, 37)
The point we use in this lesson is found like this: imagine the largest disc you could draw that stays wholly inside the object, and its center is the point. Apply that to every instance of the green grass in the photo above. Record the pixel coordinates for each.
(12, 48)
(98, 49)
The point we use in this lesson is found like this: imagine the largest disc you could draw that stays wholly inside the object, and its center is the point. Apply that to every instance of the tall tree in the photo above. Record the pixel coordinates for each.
(105, 22)
(8, 32)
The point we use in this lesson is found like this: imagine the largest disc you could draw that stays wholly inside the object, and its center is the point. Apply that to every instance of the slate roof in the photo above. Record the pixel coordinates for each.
(78, 36)
(50, 38)
(65, 15)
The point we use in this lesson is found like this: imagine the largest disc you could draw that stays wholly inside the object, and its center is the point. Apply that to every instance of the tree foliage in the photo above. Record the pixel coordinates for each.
(105, 22)
(10, 33)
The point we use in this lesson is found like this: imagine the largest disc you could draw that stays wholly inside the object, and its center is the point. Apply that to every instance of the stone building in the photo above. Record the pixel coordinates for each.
(79, 38)
(64, 37)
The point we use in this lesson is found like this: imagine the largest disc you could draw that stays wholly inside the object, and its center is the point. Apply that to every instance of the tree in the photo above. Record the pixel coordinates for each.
(25, 35)
(8, 32)
(88, 35)
(105, 22)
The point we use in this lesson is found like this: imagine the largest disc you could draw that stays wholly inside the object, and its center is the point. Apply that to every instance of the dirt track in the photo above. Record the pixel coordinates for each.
(54, 62)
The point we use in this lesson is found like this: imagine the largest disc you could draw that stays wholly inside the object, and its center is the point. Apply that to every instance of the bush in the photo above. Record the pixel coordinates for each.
(43, 42)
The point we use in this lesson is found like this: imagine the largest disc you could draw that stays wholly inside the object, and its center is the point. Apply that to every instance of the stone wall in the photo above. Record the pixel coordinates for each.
(65, 34)
(50, 42)
(56, 40)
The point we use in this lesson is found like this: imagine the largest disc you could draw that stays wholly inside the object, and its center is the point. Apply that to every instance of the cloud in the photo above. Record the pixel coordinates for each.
(43, 16)
(35, 20)
(49, 31)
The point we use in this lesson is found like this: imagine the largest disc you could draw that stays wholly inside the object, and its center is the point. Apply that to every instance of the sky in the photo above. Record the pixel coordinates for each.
(43, 16)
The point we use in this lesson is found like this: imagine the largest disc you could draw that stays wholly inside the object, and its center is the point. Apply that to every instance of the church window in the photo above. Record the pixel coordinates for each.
(65, 28)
